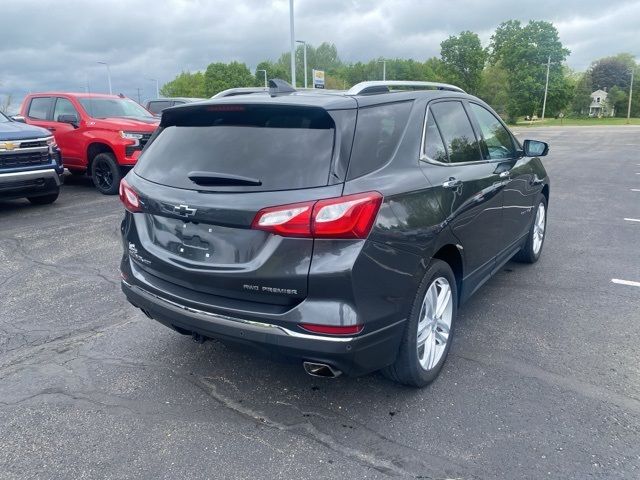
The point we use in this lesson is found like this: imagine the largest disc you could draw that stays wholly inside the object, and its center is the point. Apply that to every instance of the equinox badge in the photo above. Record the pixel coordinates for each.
(184, 210)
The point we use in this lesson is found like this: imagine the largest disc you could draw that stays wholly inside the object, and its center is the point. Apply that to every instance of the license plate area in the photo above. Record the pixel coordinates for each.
(204, 243)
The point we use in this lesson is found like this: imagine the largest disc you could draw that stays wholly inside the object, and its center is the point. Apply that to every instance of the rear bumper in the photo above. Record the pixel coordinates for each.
(29, 183)
(356, 355)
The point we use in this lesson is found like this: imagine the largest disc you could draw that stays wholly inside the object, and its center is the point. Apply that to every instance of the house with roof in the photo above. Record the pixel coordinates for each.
(599, 106)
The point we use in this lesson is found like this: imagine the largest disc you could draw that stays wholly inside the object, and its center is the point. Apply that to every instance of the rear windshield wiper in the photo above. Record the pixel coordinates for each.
(210, 179)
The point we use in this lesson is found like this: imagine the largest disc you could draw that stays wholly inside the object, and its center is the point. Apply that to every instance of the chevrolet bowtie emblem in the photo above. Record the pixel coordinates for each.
(184, 210)
(8, 145)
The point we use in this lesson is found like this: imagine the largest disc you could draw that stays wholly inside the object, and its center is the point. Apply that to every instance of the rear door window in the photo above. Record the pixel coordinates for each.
(378, 131)
(241, 147)
(39, 108)
(456, 130)
(433, 144)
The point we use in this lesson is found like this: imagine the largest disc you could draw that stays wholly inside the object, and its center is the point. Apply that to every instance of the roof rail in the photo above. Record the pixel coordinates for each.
(232, 92)
(382, 86)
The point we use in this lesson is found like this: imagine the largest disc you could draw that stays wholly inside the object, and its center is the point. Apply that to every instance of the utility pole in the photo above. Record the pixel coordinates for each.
(630, 94)
(546, 88)
(293, 45)
(138, 90)
(305, 60)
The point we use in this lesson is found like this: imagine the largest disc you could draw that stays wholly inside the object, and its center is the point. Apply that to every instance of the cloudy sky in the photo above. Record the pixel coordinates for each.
(48, 45)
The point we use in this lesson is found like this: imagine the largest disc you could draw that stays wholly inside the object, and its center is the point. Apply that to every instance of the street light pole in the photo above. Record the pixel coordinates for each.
(157, 89)
(293, 45)
(630, 94)
(305, 60)
(108, 75)
(265, 76)
(546, 88)
(384, 69)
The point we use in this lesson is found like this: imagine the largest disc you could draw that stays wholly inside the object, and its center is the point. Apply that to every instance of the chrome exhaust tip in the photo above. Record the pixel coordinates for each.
(321, 370)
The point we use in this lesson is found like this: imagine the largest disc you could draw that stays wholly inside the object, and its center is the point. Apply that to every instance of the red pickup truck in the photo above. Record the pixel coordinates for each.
(100, 135)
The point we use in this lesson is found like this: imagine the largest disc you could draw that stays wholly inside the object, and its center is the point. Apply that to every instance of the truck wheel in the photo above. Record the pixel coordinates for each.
(106, 173)
(44, 199)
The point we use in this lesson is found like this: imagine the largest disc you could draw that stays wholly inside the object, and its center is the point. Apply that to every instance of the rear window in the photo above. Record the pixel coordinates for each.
(157, 107)
(241, 147)
(378, 132)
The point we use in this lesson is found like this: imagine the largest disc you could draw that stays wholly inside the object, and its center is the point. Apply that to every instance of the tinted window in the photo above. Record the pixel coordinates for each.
(433, 144)
(496, 137)
(105, 107)
(282, 147)
(63, 107)
(378, 131)
(457, 132)
(39, 108)
(157, 107)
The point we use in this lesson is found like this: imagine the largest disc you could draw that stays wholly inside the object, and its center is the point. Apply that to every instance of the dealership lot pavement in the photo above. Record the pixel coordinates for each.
(543, 379)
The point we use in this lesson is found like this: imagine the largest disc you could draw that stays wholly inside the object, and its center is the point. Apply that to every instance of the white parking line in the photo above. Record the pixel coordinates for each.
(625, 282)
(635, 189)
(632, 219)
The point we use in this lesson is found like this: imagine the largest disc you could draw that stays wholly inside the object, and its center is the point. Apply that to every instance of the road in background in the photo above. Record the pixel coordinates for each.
(543, 379)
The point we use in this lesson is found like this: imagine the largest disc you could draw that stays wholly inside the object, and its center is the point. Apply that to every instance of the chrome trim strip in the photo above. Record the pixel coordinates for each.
(30, 175)
(233, 322)
(17, 143)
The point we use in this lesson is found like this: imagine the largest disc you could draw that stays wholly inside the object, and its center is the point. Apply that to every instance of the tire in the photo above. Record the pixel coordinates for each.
(44, 199)
(106, 173)
(414, 366)
(531, 250)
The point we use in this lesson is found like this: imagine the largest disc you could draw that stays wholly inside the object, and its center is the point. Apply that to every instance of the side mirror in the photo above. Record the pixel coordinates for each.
(71, 119)
(19, 118)
(534, 148)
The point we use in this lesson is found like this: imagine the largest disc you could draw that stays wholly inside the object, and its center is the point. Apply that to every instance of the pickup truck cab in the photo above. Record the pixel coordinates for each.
(100, 135)
(30, 164)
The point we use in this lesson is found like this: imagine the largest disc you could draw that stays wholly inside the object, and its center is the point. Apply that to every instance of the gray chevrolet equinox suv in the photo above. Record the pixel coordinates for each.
(341, 229)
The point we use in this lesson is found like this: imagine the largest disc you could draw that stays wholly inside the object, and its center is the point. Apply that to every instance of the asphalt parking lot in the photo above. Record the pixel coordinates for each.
(543, 379)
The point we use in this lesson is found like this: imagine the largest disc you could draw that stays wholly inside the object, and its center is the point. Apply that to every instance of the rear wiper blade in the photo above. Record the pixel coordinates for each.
(209, 179)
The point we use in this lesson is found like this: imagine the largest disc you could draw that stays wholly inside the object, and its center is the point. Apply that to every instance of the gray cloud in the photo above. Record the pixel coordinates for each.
(47, 45)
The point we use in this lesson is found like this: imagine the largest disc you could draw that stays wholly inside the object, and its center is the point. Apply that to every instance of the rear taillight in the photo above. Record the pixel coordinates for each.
(332, 330)
(129, 197)
(351, 216)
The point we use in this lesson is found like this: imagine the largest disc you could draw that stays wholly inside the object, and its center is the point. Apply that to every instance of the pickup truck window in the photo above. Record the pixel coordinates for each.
(113, 107)
(64, 107)
(39, 108)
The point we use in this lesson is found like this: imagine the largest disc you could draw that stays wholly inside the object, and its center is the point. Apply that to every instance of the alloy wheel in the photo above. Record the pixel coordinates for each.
(434, 323)
(538, 228)
(103, 174)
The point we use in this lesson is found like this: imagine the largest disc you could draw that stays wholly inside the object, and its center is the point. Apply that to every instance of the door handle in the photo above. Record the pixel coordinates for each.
(452, 183)
(505, 174)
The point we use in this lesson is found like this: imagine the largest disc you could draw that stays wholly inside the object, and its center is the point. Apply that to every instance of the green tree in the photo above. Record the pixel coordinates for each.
(582, 94)
(494, 87)
(186, 84)
(221, 76)
(523, 51)
(464, 59)
(274, 70)
(612, 71)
